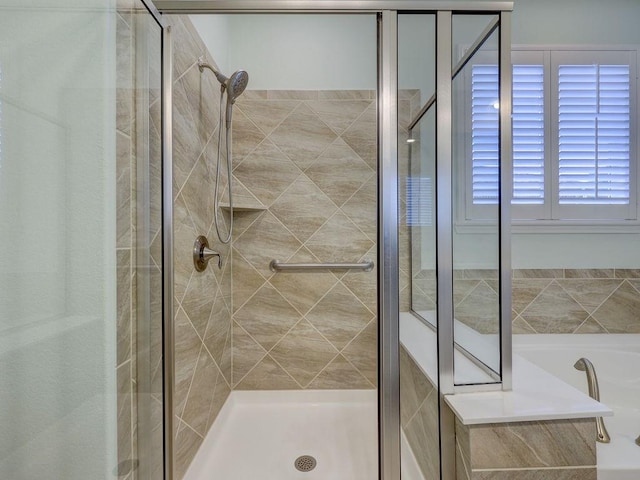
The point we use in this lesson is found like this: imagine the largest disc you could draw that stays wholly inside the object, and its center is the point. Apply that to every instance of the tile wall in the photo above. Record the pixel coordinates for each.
(202, 300)
(545, 450)
(308, 158)
(125, 253)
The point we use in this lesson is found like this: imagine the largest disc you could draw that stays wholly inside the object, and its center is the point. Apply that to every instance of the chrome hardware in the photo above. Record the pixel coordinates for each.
(276, 266)
(202, 254)
(584, 365)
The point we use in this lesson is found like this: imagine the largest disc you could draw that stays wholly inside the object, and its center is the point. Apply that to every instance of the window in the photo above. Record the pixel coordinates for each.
(574, 140)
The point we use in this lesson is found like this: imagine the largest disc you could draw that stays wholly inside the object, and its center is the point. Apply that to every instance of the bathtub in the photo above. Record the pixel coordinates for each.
(616, 359)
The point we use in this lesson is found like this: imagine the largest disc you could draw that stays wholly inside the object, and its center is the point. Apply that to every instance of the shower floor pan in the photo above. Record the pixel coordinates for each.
(259, 435)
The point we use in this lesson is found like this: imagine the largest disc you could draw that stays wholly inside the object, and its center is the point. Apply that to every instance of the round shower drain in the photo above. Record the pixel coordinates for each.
(305, 463)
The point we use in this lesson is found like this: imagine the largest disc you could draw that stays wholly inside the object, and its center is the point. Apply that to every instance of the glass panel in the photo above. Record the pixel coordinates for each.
(418, 322)
(476, 169)
(304, 189)
(70, 141)
(58, 262)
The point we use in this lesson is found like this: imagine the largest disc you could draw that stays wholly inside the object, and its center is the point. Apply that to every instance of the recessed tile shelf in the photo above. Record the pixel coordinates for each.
(244, 208)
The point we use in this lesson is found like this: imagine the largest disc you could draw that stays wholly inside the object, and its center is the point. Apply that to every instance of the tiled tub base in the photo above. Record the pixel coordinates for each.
(543, 450)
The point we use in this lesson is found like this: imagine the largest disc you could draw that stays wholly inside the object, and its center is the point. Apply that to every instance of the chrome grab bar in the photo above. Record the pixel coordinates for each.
(585, 365)
(277, 266)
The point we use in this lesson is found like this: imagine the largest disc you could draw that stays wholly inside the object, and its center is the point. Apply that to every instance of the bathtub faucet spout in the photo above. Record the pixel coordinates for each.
(585, 365)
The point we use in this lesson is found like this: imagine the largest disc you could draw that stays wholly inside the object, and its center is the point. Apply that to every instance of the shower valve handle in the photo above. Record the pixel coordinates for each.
(202, 254)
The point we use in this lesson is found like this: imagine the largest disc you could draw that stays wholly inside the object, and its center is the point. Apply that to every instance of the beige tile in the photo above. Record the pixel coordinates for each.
(589, 293)
(525, 290)
(345, 94)
(265, 240)
(461, 289)
(520, 327)
(627, 273)
(340, 374)
(339, 316)
(365, 126)
(303, 137)
(196, 410)
(590, 326)
(218, 332)
(292, 94)
(242, 196)
(187, 350)
(303, 290)
(254, 95)
(422, 435)
(267, 375)
(414, 387)
(339, 240)
(247, 353)
(187, 145)
(538, 273)
(362, 208)
(463, 445)
(619, 313)
(198, 299)
(303, 352)
(267, 316)
(124, 75)
(589, 273)
(220, 394)
(124, 405)
(303, 208)
(365, 147)
(339, 114)
(267, 114)
(184, 236)
(246, 280)
(203, 94)
(542, 474)
(362, 352)
(267, 172)
(554, 311)
(365, 284)
(480, 310)
(124, 286)
(186, 50)
(123, 191)
(186, 445)
(533, 444)
(246, 136)
(198, 193)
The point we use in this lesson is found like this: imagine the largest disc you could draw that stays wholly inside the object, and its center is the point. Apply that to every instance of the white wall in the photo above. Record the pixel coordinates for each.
(214, 31)
(57, 231)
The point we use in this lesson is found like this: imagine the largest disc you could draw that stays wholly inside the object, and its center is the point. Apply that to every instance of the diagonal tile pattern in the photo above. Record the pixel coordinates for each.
(321, 196)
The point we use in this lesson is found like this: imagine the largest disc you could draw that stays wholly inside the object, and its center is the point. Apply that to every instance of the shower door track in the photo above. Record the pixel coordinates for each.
(388, 218)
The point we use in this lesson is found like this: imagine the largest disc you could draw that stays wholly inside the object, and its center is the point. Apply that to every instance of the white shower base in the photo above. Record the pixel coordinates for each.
(259, 434)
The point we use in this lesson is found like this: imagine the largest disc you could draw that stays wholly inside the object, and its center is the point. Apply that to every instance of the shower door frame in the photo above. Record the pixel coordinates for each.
(388, 204)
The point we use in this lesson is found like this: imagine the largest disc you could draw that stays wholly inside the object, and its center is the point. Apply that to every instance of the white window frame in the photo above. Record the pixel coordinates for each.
(551, 216)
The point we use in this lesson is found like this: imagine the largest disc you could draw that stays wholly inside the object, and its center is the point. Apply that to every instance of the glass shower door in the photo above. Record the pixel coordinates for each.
(72, 151)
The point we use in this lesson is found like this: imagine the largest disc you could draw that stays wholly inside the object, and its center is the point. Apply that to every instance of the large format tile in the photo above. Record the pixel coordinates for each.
(340, 374)
(589, 293)
(124, 293)
(246, 280)
(303, 208)
(362, 352)
(303, 352)
(339, 316)
(187, 350)
(187, 443)
(339, 240)
(362, 208)
(539, 474)
(267, 375)
(247, 353)
(267, 172)
(339, 172)
(265, 240)
(196, 410)
(533, 444)
(303, 290)
(414, 387)
(302, 136)
(246, 136)
(554, 311)
(423, 436)
(339, 114)
(266, 115)
(267, 316)
(619, 313)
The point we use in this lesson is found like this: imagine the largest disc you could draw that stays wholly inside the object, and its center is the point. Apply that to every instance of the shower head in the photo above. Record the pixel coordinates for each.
(234, 85)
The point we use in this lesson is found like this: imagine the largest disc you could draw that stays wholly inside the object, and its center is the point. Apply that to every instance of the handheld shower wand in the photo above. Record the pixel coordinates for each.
(233, 86)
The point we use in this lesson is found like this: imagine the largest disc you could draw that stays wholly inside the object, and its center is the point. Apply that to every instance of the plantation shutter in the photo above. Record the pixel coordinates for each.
(528, 134)
(594, 134)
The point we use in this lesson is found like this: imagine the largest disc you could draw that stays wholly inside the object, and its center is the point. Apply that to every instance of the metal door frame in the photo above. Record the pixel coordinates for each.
(388, 264)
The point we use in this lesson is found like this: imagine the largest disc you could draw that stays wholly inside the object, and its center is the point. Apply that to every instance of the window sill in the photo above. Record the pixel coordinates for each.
(552, 226)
